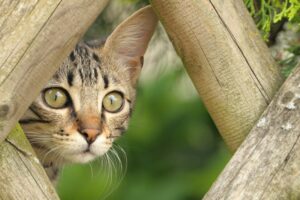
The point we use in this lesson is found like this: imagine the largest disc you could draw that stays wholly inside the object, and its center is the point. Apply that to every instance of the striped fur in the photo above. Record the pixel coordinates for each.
(87, 75)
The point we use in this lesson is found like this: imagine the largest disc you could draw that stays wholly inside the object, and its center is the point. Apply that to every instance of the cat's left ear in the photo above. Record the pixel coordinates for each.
(130, 39)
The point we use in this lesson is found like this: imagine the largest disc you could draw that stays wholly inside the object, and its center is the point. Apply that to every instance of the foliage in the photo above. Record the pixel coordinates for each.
(267, 12)
(291, 62)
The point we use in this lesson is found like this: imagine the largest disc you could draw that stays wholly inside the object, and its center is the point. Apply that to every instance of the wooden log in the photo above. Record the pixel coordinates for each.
(224, 55)
(35, 37)
(267, 164)
(22, 176)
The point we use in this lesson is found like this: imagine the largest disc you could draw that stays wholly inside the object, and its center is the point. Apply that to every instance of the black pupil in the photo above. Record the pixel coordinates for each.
(56, 96)
(111, 99)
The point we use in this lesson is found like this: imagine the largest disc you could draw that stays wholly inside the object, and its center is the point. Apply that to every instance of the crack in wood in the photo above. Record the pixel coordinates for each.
(256, 79)
(38, 183)
(282, 165)
(19, 149)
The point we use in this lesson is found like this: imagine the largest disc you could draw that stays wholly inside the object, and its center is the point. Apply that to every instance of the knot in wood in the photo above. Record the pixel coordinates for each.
(288, 96)
(4, 111)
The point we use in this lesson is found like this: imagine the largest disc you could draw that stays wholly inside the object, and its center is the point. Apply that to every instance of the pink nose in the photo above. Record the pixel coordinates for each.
(90, 134)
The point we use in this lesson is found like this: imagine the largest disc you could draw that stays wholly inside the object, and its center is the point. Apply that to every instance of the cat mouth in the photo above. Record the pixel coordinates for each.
(87, 150)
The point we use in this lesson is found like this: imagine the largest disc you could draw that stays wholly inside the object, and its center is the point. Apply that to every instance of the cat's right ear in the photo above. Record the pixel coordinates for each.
(128, 42)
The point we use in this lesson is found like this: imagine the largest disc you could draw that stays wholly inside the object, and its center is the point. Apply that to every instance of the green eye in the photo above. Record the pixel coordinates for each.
(56, 98)
(113, 102)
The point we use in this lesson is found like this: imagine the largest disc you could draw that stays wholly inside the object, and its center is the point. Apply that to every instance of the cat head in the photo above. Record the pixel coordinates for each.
(88, 102)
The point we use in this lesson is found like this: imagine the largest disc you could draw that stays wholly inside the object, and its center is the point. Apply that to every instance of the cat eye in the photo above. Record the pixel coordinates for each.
(113, 102)
(56, 98)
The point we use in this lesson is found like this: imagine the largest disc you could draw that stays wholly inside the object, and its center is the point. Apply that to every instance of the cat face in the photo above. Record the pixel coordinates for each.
(88, 102)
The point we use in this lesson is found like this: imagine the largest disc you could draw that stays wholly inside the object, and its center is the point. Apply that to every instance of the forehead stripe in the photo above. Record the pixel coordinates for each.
(106, 82)
(96, 74)
(96, 57)
(81, 75)
(72, 56)
(70, 78)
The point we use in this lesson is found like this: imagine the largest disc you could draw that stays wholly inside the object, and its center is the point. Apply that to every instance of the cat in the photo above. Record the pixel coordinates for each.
(88, 102)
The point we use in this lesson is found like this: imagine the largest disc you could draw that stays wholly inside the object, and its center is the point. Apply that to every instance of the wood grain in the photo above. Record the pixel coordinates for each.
(22, 176)
(267, 164)
(226, 59)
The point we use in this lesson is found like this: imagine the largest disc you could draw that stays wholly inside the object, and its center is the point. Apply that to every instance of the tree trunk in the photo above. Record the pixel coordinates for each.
(267, 164)
(224, 55)
(35, 37)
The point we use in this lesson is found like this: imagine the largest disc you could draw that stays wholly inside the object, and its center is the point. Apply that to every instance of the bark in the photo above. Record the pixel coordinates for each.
(267, 164)
(35, 37)
(225, 57)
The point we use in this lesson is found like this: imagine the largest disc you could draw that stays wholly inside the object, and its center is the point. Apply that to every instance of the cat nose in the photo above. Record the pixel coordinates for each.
(90, 134)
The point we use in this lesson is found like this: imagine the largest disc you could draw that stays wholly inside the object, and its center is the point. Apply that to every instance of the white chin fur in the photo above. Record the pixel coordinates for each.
(97, 149)
(81, 157)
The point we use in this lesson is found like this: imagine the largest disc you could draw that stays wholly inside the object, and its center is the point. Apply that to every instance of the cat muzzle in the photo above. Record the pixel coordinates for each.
(89, 134)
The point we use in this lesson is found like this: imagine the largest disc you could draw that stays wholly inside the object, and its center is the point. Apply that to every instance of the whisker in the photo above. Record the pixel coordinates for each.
(55, 148)
(116, 167)
(92, 173)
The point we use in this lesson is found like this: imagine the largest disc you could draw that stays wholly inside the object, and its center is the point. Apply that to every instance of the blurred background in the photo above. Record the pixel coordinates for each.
(174, 151)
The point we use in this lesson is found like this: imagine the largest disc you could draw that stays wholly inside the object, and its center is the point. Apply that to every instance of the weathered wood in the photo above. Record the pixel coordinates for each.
(226, 59)
(35, 36)
(267, 164)
(22, 176)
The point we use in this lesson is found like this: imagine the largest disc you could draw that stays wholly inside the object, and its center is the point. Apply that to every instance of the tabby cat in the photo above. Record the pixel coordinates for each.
(87, 103)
